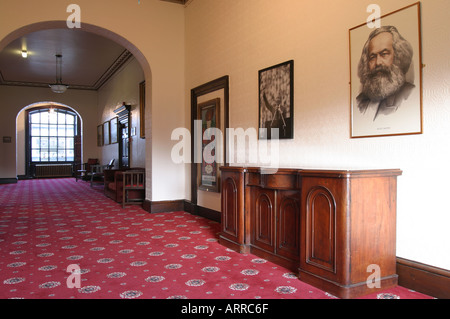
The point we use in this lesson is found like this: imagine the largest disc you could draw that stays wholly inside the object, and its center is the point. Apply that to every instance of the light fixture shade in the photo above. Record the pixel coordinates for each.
(58, 88)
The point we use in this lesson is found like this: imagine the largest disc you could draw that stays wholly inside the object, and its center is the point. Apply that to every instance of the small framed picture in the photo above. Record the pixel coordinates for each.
(276, 98)
(114, 130)
(100, 135)
(142, 108)
(106, 133)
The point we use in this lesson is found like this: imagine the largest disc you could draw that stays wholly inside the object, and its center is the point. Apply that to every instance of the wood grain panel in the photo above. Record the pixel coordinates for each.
(288, 222)
(230, 209)
(263, 219)
(321, 229)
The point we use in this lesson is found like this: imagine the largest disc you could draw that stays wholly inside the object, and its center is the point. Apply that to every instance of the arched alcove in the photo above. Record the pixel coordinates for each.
(21, 135)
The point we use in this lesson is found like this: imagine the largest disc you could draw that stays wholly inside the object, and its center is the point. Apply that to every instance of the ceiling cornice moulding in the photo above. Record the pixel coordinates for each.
(120, 61)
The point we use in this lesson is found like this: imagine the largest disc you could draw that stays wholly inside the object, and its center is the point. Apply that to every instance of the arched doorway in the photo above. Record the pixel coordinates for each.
(99, 31)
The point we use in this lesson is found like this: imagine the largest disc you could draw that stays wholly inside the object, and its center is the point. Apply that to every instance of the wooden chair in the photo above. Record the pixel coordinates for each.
(133, 187)
(82, 170)
(97, 171)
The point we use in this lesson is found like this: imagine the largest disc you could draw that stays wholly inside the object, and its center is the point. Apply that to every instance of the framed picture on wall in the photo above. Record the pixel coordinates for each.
(276, 100)
(113, 130)
(100, 135)
(209, 115)
(142, 108)
(106, 133)
(386, 75)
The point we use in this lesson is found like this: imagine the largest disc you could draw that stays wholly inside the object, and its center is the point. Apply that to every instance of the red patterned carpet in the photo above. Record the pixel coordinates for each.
(48, 225)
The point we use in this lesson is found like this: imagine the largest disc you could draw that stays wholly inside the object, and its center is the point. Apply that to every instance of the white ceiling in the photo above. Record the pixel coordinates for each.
(88, 60)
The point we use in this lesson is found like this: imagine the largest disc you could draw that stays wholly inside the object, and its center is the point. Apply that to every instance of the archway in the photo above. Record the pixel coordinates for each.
(107, 34)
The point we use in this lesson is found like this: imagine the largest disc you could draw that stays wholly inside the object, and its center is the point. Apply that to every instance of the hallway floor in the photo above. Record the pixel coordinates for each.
(50, 224)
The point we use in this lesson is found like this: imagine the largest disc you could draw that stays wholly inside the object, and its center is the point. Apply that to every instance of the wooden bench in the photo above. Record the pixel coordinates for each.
(133, 187)
(134, 190)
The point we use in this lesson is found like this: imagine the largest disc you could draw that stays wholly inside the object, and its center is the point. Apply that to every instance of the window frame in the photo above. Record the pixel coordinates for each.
(30, 164)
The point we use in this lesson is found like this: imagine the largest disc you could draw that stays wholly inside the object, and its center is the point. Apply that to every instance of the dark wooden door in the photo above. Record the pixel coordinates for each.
(124, 119)
(124, 146)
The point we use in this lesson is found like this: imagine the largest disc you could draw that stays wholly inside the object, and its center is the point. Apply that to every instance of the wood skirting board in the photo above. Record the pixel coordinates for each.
(180, 205)
(413, 275)
(8, 180)
(423, 278)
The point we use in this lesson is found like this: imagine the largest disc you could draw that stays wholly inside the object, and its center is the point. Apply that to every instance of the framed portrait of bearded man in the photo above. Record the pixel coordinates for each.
(386, 75)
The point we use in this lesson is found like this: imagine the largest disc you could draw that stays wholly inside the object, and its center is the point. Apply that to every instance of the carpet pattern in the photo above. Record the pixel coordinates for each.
(54, 232)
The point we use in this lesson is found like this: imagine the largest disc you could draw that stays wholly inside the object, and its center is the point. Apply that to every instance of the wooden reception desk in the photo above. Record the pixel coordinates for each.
(335, 228)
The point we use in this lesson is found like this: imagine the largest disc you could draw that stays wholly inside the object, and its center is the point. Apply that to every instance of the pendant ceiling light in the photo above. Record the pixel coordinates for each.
(58, 86)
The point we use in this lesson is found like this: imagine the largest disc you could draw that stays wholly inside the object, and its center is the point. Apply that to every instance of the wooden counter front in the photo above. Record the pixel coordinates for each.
(337, 228)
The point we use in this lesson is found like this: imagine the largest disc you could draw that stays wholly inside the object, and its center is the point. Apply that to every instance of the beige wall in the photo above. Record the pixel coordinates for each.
(240, 37)
(123, 87)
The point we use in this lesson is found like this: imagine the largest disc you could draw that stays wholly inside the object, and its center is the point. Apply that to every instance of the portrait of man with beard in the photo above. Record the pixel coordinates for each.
(386, 75)
(382, 69)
